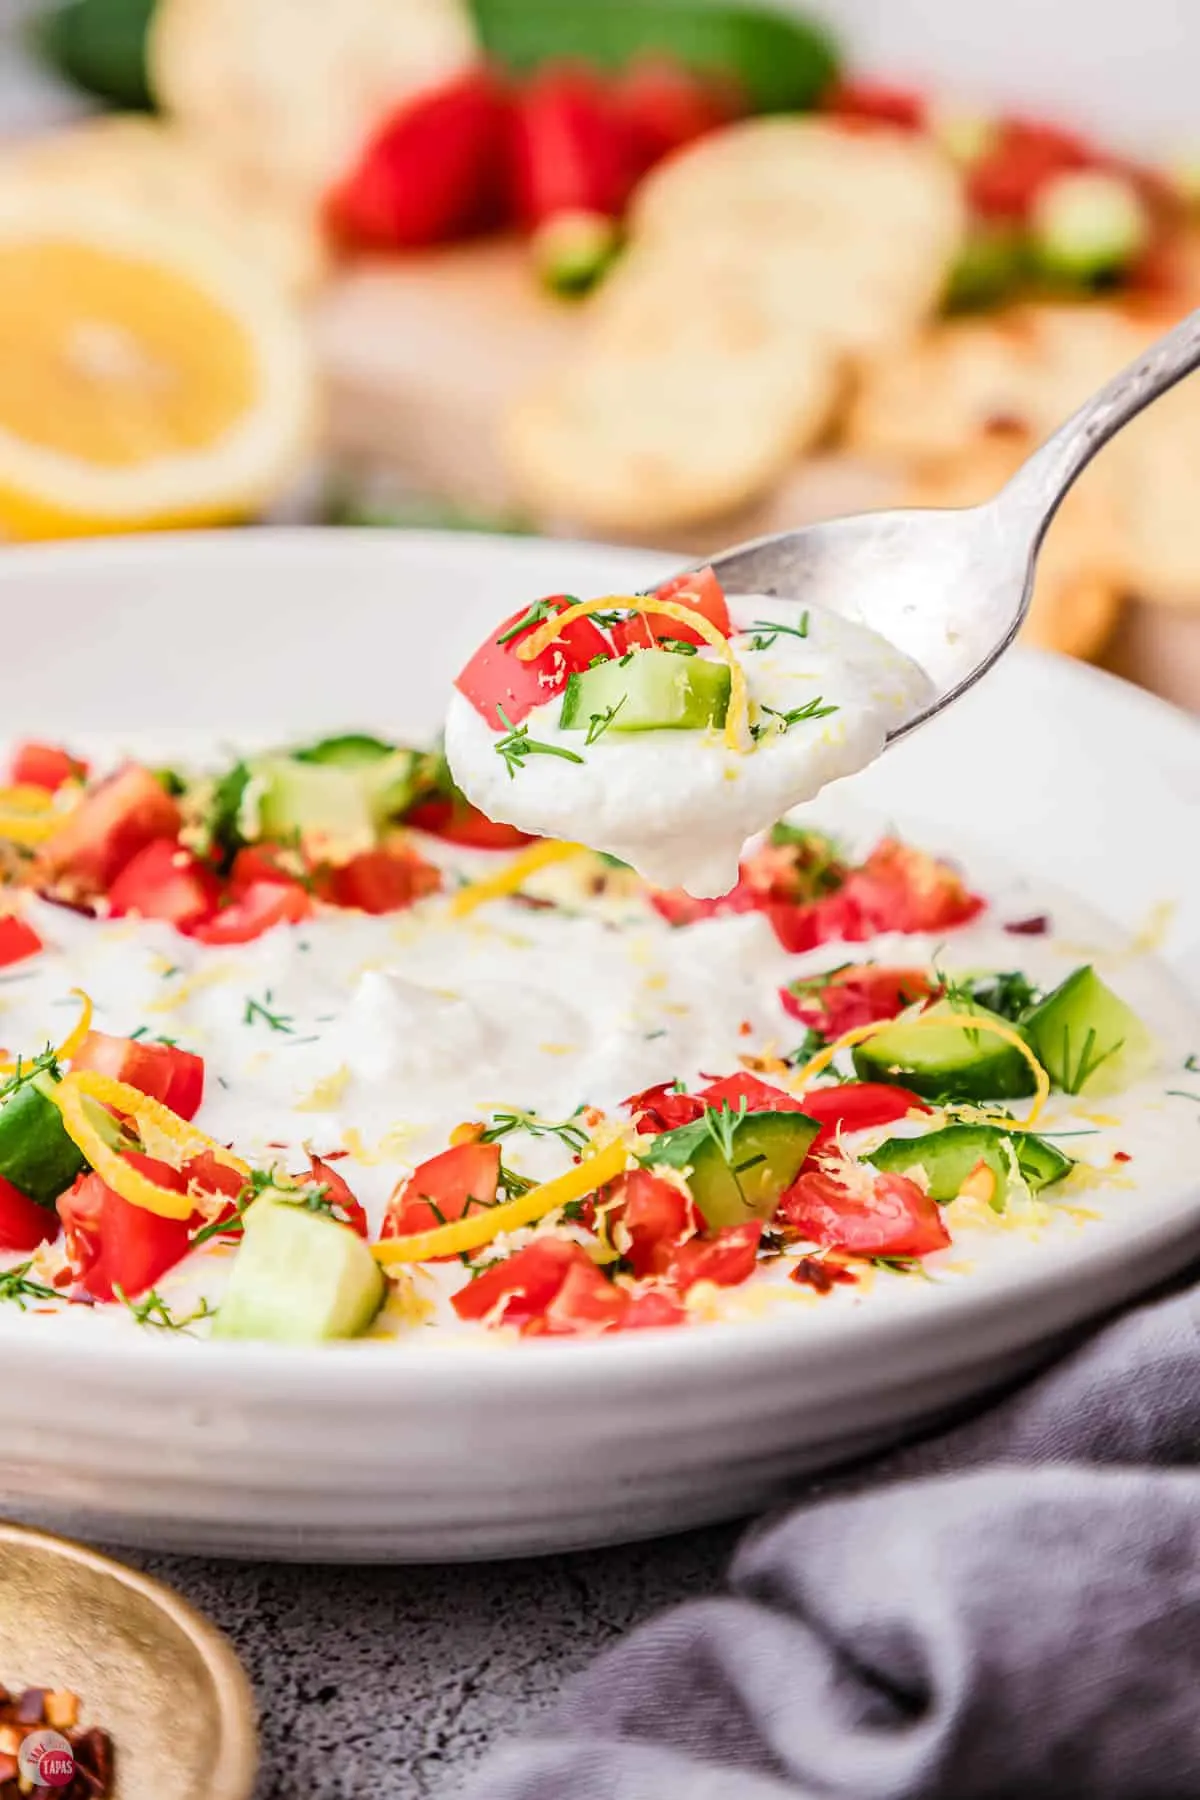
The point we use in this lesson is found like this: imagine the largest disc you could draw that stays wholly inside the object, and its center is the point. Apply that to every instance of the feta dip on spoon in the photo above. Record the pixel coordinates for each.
(667, 730)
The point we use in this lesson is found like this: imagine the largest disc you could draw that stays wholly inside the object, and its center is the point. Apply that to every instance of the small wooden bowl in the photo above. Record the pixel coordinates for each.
(148, 1668)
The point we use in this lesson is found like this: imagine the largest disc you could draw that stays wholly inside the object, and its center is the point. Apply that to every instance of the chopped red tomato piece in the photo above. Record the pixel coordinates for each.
(163, 1071)
(859, 994)
(855, 1209)
(23, 1223)
(701, 591)
(877, 103)
(445, 1188)
(759, 1096)
(458, 822)
(650, 1310)
(665, 105)
(46, 766)
(856, 1106)
(523, 1285)
(726, 1258)
(164, 881)
(206, 1174)
(18, 940)
(262, 906)
(339, 1193)
(107, 829)
(900, 888)
(1025, 155)
(586, 1304)
(496, 677)
(650, 1219)
(262, 862)
(662, 1108)
(113, 1244)
(381, 881)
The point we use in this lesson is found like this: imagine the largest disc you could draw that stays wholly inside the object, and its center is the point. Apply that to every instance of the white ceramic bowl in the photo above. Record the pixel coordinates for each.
(383, 1451)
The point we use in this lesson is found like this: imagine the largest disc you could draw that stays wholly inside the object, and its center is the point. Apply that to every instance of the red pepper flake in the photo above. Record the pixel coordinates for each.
(1122, 1156)
(1036, 926)
(821, 1274)
(327, 1155)
(745, 1029)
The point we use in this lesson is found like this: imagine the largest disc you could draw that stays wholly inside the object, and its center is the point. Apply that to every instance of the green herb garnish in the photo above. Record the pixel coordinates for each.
(15, 1285)
(565, 1130)
(152, 1309)
(261, 1009)
(518, 745)
(1089, 1061)
(815, 709)
(766, 633)
(601, 721)
(537, 614)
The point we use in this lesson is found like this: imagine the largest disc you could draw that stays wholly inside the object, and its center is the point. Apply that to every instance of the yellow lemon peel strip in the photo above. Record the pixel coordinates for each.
(967, 1021)
(737, 717)
(473, 1232)
(74, 1038)
(71, 1097)
(512, 878)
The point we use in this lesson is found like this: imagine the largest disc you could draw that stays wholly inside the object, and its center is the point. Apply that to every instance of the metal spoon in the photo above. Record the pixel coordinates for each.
(951, 588)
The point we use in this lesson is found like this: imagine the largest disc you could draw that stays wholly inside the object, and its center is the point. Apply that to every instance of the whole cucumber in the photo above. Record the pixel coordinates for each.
(783, 62)
(101, 45)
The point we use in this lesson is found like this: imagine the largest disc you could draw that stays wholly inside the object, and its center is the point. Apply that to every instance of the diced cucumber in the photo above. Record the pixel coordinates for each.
(992, 262)
(947, 1157)
(36, 1155)
(1087, 1039)
(298, 1278)
(1089, 224)
(354, 750)
(325, 806)
(739, 1165)
(947, 1062)
(647, 690)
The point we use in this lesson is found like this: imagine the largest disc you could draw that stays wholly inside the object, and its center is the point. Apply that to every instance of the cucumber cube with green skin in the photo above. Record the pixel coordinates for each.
(353, 750)
(950, 1062)
(647, 690)
(313, 801)
(738, 1164)
(299, 1277)
(1087, 1039)
(387, 773)
(947, 1157)
(36, 1154)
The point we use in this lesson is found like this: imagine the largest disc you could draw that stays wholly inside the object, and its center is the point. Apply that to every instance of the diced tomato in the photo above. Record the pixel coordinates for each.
(681, 908)
(339, 1193)
(46, 766)
(495, 677)
(255, 863)
(859, 994)
(867, 1214)
(113, 1244)
(1025, 155)
(458, 822)
(572, 152)
(381, 881)
(877, 103)
(661, 1108)
(445, 1188)
(164, 881)
(435, 169)
(726, 1258)
(665, 105)
(856, 1106)
(163, 1071)
(900, 888)
(759, 1096)
(649, 1221)
(651, 1309)
(211, 1176)
(23, 1223)
(263, 905)
(586, 1304)
(701, 591)
(523, 1285)
(110, 825)
(18, 940)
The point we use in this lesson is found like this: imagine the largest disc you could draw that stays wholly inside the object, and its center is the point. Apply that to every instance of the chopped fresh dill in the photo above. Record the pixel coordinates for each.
(678, 647)
(1192, 1064)
(261, 1009)
(24, 1072)
(517, 746)
(1073, 1079)
(606, 621)
(814, 709)
(565, 1130)
(537, 614)
(16, 1285)
(152, 1309)
(512, 1185)
(601, 721)
(1182, 1094)
(766, 633)
(805, 1050)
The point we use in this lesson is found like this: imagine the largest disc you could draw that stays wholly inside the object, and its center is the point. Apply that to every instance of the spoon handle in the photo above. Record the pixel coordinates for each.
(1039, 486)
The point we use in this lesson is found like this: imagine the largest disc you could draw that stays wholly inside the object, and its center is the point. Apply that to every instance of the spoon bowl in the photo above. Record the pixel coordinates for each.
(951, 588)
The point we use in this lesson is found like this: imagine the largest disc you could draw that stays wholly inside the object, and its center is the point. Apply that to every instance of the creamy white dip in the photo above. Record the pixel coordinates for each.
(679, 805)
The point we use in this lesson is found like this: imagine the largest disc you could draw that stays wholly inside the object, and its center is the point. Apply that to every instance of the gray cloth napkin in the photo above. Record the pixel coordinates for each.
(1009, 1609)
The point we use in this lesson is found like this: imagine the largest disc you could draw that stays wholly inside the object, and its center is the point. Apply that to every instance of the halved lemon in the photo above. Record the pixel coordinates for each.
(148, 376)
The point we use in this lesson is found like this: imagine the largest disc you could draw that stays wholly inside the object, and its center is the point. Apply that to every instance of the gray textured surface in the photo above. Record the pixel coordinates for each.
(391, 1682)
